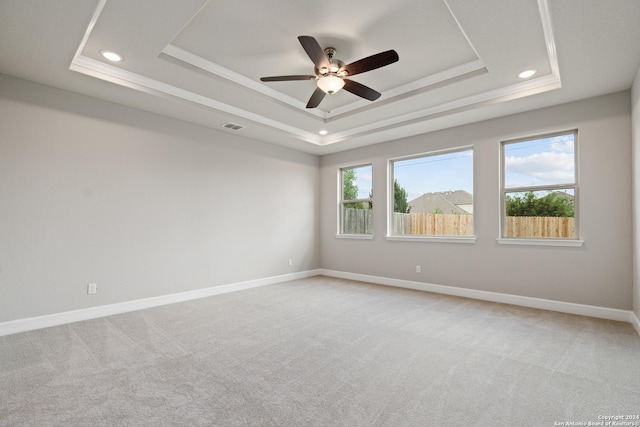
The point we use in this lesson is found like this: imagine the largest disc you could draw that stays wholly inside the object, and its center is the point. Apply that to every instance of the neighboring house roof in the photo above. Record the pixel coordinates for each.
(564, 195)
(458, 201)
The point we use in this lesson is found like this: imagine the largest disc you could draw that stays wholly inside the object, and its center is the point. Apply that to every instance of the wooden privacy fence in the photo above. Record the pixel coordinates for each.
(540, 226)
(359, 221)
(432, 224)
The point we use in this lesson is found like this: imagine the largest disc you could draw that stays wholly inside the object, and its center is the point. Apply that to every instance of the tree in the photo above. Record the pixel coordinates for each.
(349, 187)
(350, 192)
(552, 204)
(400, 203)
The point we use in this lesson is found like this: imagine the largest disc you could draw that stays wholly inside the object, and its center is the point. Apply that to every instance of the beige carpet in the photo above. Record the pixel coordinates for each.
(322, 352)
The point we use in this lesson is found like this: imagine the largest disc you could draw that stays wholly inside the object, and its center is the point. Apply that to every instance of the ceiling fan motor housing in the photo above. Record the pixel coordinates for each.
(334, 64)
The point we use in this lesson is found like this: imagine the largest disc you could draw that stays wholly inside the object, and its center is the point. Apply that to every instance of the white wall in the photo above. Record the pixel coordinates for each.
(599, 273)
(140, 204)
(635, 125)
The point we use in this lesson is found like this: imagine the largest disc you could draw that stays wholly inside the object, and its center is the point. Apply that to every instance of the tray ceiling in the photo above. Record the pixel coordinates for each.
(202, 61)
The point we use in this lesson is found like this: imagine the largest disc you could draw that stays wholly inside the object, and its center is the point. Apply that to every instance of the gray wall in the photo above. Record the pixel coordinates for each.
(144, 206)
(140, 204)
(635, 108)
(599, 273)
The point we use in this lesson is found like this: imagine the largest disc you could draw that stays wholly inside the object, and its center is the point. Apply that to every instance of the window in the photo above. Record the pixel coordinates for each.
(432, 194)
(356, 200)
(539, 187)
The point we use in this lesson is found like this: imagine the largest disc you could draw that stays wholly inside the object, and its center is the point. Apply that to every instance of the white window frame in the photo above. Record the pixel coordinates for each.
(342, 201)
(391, 199)
(540, 241)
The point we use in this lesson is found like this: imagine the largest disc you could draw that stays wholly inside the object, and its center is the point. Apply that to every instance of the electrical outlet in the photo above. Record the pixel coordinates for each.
(92, 288)
(290, 262)
(418, 269)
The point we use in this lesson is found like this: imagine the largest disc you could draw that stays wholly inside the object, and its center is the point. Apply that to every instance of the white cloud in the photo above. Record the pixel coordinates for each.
(551, 167)
(364, 182)
(562, 143)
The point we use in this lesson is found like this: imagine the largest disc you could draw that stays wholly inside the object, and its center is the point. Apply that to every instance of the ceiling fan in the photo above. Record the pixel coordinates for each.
(331, 73)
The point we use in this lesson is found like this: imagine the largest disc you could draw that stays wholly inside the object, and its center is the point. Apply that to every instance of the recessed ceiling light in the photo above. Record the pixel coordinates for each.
(323, 132)
(112, 56)
(527, 73)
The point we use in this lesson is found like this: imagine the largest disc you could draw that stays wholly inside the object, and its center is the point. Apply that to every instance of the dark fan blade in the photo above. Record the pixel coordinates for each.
(316, 98)
(285, 78)
(370, 63)
(361, 90)
(315, 52)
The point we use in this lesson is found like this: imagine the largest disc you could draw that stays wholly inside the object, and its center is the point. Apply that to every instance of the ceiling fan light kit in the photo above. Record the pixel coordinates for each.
(330, 84)
(330, 79)
(331, 73)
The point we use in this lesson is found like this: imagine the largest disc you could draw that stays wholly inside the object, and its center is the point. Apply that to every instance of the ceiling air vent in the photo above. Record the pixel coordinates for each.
(232, 126)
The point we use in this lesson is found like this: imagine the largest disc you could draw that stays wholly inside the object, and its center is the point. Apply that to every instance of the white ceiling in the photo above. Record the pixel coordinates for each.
(201, 60)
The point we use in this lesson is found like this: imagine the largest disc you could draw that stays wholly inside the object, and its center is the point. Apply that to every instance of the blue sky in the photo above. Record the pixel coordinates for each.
(363, 181)
(544, 161)
(537, 162)
(441, 172)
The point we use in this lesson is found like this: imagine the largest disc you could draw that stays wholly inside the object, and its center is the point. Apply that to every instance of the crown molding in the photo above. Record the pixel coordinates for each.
(98, 69)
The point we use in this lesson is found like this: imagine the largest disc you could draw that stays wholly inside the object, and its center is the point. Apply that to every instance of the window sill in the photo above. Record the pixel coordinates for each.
(572, 243)
(434, 239)
(355, 236)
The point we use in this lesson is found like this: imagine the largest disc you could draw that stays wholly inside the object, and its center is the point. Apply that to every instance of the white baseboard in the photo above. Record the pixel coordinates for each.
(635, 322)
(543, 304)
(39, 322)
